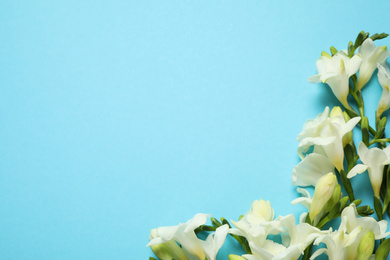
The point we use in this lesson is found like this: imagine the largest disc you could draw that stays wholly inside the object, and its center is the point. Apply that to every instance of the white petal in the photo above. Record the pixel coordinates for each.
(357, 169)
(196, 221)
(367, 47)
(362, 150)
(317, 253)
(351, 124)
(311, 169)
(354, 64)
(314, 79)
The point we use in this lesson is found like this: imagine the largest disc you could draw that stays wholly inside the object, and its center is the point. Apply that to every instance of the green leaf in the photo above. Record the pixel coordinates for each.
(379, 36)
(152, 258)
(383, 250)
(347, 185)
(378, 207)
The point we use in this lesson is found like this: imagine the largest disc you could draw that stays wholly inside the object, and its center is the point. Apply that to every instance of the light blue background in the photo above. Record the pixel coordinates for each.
(122, 116)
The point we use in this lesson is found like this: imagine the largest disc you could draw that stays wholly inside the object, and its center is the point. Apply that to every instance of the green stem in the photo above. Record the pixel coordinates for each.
(307, 252)
(382, 140)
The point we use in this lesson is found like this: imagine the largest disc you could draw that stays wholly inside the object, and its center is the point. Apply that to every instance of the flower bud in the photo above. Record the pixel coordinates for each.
(336, 111)
(366, 246)
(168, 250)
(262, 210)
(323, 192)
(334, 199)
(236, 257)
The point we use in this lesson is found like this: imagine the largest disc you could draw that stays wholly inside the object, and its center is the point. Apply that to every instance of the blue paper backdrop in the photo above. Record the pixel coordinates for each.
(122, 116)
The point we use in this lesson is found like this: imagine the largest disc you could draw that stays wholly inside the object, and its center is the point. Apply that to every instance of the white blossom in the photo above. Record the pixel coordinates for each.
(336, 71)
(384, 80)
(371, 57)
(374, 160)
(326, 135)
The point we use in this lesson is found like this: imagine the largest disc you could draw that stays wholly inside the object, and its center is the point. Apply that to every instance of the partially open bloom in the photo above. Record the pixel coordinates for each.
(366, 225)
(295, 237)
(343, 243)
(336, 71)
(214, 242)
(384, 80)
(374, 160)
(167, 250)
(184, 234)
(326, 135)
(336, 242)
(371, 57)
(257, 223)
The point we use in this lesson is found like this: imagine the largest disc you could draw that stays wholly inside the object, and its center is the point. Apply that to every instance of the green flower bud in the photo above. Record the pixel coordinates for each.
(236, 257)
(168, 251)
(334, 199)
(366, 246)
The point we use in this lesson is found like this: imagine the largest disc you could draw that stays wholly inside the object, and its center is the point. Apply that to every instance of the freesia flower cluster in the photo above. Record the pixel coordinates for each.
(330, 158)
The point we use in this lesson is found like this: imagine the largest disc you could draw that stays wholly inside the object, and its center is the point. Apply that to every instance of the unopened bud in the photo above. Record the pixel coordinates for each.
(334, 199)
(366, 246)
(168, 250)
(323, 192)
(336, 111)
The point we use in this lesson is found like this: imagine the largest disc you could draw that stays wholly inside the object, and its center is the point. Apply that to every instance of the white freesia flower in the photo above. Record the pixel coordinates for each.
(214, 242)
(184, 234)
(343, 243)
(168, 250)
(371, 57)
(311, 169)
(273, 251)
(261, 211)
(337, 242)
(326, 135)
(336, 71)
(366, 224)
(384, 80)
(305, 199)
(295, 239)
(374, 160)
(257, 223)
